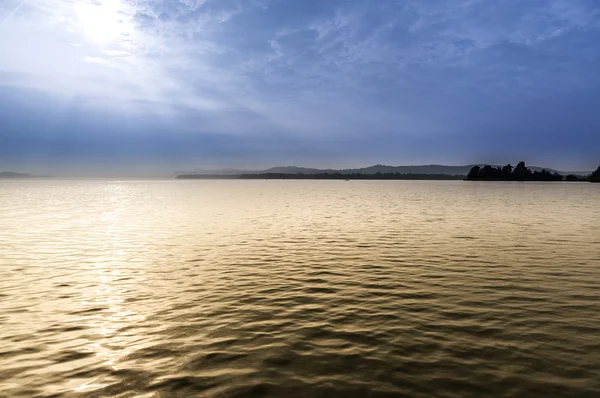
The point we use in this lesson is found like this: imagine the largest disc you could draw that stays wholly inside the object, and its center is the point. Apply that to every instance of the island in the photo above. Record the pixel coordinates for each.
(522, 173)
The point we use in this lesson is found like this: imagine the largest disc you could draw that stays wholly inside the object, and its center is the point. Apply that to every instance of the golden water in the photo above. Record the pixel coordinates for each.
(299, 289)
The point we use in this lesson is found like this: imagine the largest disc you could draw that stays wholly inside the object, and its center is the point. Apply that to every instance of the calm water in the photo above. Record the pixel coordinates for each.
(299, 289)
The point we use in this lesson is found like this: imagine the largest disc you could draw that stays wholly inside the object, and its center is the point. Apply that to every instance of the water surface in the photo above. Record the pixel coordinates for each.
(299, 289)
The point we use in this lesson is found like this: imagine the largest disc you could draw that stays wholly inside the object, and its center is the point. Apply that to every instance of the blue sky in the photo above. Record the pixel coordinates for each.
(157, 85)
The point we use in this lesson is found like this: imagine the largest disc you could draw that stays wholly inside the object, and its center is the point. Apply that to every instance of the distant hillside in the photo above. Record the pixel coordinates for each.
(323, 176)
(422, 169)
(379, 168)
(217, 172)
(294, 170)
(10, 174)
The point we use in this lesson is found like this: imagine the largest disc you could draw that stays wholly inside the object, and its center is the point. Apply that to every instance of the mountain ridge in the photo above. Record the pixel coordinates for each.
(377, 168)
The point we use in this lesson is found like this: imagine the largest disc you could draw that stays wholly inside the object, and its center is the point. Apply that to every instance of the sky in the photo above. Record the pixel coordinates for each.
(157, 86)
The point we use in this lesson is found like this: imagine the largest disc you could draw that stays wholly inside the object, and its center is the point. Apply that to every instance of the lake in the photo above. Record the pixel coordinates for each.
(226, 288)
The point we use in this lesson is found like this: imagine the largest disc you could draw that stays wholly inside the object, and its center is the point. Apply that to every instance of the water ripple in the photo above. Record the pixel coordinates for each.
(299, 288)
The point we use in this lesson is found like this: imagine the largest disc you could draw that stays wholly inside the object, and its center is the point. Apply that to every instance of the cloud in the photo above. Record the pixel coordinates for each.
(318, 71)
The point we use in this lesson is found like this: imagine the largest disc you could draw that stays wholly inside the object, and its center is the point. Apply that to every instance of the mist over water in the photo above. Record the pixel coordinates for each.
(299, 289)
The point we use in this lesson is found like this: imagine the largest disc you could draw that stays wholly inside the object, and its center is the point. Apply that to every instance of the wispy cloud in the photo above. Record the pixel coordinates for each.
(321, 70)
(12, 12)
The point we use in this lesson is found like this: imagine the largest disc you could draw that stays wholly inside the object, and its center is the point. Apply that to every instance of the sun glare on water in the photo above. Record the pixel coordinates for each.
(103, 21)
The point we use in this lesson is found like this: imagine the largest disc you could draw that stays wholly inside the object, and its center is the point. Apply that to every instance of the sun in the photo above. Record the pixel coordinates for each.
(103, 21)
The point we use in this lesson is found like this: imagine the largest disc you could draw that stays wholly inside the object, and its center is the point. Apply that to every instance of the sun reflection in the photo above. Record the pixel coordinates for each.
(111, 318)
(104, 21)
(108, 341)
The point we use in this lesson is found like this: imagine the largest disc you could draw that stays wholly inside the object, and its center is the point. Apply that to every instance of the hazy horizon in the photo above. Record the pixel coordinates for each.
(114, 86)
(146, 172)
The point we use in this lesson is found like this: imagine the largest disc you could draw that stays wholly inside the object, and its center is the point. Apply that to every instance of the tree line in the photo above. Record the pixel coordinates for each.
(522, 173)
(595, 177)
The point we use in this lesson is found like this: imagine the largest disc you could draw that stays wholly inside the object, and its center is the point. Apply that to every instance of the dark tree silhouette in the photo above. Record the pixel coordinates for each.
(521, 172)
(473, 173)
(487, 173)
(595, 177)
(507, 173)
(545, 175)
